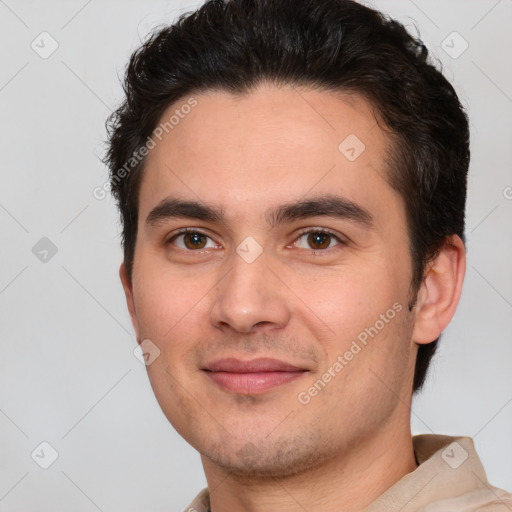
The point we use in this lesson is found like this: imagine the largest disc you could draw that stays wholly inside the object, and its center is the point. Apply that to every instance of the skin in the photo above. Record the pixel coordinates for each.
(295, 302)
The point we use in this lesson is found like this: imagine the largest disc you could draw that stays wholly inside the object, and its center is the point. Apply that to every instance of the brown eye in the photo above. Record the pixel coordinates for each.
(317, 240)
(192, 241)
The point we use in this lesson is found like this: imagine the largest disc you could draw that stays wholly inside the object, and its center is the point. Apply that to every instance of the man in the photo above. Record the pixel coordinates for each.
(291, 177)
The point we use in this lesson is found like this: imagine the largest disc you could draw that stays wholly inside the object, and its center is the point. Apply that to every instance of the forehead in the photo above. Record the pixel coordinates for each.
(270, 145)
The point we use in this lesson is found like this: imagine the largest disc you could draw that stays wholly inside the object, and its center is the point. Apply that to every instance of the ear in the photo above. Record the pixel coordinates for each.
(440, 291)
(128, 291)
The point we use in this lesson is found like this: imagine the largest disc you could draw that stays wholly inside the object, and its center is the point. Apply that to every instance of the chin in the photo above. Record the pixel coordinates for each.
(266, 461)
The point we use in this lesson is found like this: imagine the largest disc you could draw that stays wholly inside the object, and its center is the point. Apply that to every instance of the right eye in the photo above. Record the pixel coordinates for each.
(191, 240)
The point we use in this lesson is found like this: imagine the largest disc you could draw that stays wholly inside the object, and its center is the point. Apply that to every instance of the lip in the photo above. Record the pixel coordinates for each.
(262, 364)
(251, 377)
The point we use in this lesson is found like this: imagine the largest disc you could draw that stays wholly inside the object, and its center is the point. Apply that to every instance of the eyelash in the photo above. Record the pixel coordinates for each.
(303, 232)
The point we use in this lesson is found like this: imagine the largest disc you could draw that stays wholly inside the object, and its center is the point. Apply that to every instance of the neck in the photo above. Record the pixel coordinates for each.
(349, 482)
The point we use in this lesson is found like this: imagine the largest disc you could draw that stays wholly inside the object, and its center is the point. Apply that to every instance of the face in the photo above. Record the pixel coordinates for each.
(281, 316)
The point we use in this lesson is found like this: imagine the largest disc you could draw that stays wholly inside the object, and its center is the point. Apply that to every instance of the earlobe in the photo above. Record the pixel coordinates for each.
(440, 291)
(128, 291)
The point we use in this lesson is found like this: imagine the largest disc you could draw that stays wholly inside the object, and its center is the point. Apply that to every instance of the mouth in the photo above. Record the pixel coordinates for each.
(251, 377)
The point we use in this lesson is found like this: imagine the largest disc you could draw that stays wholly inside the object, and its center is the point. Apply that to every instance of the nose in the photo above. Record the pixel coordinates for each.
(250, 298)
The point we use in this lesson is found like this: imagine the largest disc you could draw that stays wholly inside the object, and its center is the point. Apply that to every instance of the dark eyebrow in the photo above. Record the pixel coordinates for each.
(177, 208)
(326, 205)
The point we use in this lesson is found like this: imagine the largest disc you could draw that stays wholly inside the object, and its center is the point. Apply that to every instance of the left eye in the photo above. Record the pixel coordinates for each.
(317, 240)
(191, 240)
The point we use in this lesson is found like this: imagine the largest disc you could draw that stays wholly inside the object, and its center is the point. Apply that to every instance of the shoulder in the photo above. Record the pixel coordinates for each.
(488, 499)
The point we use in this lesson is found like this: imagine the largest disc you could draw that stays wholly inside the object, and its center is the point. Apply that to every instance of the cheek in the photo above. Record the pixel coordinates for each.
(170, 314)
(365, 310)
(165, 300)
(366, 365)
(350, 298)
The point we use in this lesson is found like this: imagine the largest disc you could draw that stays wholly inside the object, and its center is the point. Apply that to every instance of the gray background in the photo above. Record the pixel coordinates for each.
(68, 373)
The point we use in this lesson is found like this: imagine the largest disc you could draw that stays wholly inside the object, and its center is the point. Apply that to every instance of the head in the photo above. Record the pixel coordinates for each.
(246, 122)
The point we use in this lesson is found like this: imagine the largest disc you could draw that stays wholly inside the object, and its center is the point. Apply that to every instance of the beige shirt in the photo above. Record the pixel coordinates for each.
(449, 478)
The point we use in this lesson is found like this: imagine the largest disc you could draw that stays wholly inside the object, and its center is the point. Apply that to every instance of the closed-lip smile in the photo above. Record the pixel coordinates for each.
(251, 377)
